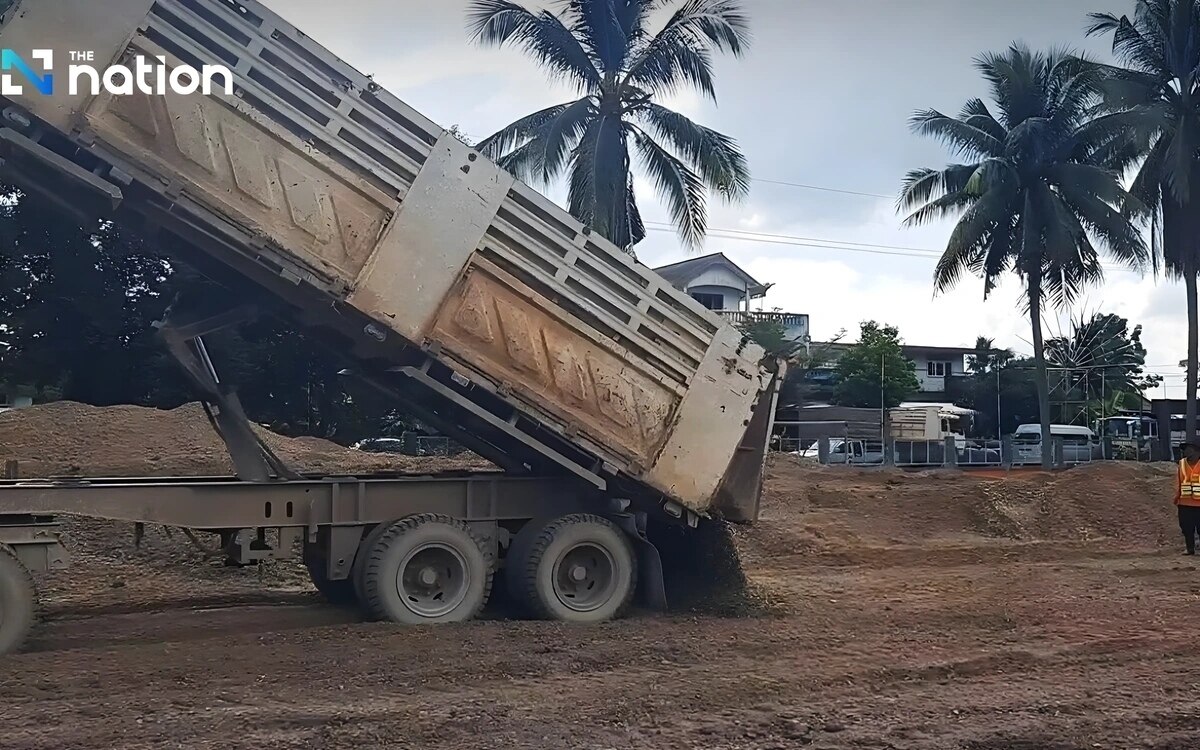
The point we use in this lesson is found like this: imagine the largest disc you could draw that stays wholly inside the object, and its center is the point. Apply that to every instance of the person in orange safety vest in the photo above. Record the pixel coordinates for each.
(1187, 496)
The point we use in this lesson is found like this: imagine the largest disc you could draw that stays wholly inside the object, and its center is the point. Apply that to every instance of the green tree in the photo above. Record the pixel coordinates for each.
(77, 302)
(987, 358)
(1034, 194)
(1098, 363)
(1154, 108)
(875, 370)
(608, 52)
(770, 334)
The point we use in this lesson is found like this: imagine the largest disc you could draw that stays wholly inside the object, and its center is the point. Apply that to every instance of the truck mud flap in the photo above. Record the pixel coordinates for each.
(50, 176)
(651, 584)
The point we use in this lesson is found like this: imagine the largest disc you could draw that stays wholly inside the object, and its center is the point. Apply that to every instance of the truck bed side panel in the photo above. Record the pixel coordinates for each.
(384, 212)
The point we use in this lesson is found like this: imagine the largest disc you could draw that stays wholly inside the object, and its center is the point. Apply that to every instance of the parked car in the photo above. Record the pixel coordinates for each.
(842, 451)
(1079, 443)
(380, 445)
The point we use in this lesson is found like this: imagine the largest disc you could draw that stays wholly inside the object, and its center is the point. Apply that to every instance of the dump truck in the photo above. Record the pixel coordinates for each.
(610, 401)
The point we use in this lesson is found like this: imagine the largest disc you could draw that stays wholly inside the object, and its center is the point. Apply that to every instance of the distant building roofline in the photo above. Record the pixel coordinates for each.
(682, 272)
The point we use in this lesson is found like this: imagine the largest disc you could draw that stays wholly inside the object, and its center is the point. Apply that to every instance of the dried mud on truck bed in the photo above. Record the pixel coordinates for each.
(930, 610)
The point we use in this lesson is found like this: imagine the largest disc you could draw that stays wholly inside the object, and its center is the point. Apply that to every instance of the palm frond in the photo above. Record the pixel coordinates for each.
(1129, 45)
(714, 156)
(1095, 211)
(632, 15)
(542, 35)
(681, 52)
(949, 205)
(976, 114)
(518, 133)
(526, 162)
(923, 185)
(560, 135)
(1096, 181)
(967, 247)
(682, 188)
(1102, 23)
(962, 138)
(599, 30)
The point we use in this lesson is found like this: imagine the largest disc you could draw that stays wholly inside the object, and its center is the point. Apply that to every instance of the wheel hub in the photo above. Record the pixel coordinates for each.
(585, 577)
(432, 580)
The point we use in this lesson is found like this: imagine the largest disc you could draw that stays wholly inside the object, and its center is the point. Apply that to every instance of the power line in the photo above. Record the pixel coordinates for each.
(661, 225)
(726, 234)
(738, 235)
(821, 188)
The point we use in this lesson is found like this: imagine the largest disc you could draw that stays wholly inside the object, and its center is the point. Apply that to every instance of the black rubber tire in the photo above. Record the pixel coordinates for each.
(340, 593)
(18, 602)
(516, 561)
(359, 568)
(532, 572)
(383, 599)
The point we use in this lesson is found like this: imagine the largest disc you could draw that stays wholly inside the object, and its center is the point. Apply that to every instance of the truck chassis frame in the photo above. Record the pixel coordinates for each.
(268, 512)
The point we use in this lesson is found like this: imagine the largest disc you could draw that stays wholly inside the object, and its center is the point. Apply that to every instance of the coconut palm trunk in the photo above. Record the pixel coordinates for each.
(1043, 372)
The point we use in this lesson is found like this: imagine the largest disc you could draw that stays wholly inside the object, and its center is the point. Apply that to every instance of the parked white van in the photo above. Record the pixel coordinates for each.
(1079, 443)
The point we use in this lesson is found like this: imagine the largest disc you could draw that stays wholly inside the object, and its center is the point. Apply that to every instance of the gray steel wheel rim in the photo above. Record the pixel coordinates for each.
(584, 577)
(439, 597)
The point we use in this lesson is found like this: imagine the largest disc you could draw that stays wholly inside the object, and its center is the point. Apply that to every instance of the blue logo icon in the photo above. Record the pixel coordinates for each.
(43, 82)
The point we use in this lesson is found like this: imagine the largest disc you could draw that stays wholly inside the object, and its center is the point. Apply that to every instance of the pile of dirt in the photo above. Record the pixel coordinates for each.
(70, 439)
(825, 509)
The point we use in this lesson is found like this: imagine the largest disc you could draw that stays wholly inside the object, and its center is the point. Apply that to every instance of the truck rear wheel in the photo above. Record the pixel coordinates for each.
(577, 568)
(340, 593)
(18, 602)
(359, 568)
(426, 569)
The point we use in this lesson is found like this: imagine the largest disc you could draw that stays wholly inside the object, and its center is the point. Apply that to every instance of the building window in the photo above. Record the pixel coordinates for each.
(711, 301)
(939, 369)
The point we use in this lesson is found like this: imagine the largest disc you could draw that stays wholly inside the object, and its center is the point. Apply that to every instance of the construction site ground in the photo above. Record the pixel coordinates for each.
(902, 610)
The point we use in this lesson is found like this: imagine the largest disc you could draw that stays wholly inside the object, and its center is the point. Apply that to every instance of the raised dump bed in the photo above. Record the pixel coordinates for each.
(460, 289)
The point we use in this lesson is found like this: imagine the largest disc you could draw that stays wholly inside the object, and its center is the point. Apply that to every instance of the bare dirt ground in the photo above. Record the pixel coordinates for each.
(910, 611)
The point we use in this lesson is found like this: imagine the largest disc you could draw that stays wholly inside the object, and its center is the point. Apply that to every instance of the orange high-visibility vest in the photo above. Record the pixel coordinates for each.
(1189, 484)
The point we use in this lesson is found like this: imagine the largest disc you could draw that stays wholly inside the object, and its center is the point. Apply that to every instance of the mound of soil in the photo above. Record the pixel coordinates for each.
(827, 509)
(70, 439)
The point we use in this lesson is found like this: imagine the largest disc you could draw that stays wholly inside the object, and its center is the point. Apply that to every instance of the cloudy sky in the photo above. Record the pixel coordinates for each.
(822, 99)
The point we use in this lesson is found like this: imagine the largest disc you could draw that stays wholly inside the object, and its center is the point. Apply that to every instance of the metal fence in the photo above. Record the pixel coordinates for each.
(951, 452)
(429, 445)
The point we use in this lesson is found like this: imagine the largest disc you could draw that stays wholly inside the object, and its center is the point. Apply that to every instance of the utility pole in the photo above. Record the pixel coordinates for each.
(999, 433)
(882, 402)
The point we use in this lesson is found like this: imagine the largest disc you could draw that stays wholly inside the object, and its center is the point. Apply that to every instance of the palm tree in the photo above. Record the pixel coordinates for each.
(1155, 108)
(605, 49)
(1031, 195)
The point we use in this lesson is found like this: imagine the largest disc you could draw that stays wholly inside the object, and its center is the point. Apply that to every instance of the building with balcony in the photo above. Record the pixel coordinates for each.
(933, 366)
(722, 286)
